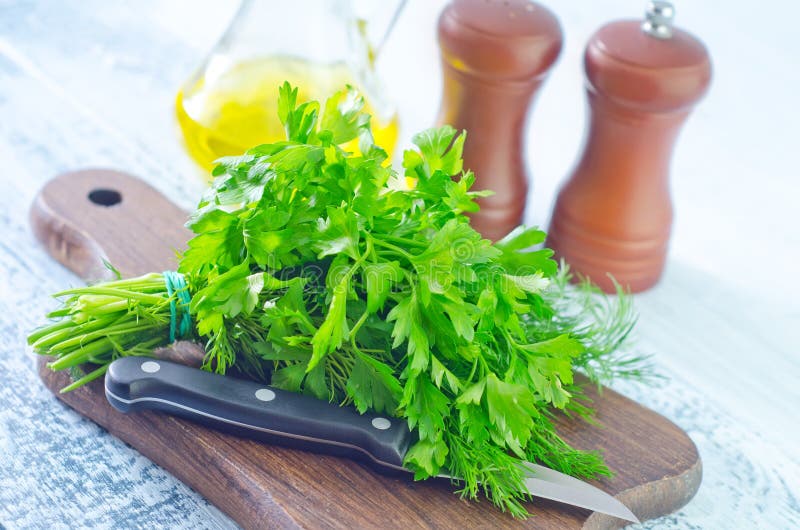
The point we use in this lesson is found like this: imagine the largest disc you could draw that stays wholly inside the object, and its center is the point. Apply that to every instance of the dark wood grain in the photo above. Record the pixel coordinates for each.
(657, 466)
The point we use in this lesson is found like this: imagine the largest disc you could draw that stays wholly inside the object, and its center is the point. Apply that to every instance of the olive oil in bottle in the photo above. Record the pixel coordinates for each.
(233, 107)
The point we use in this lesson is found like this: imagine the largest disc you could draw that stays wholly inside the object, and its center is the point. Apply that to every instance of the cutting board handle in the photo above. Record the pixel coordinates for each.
(75, 211)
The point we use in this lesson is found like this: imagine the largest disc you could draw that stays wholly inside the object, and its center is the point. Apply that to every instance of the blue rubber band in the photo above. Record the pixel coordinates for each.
(176, 285)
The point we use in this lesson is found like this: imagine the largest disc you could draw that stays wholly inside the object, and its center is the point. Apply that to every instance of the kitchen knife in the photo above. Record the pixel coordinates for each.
(277, 416)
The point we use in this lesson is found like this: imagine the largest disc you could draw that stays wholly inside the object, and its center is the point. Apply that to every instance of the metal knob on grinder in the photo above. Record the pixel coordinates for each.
(614, 213)
(658, 19)
(495, 56)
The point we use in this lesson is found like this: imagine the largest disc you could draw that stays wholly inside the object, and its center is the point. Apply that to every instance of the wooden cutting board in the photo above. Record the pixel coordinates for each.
(87, 216)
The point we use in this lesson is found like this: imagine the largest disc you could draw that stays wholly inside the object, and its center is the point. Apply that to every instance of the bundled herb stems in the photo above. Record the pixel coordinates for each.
(99, 323)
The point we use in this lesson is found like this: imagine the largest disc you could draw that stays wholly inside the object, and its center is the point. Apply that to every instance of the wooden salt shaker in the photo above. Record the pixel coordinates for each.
(495, 55)
(614, 213)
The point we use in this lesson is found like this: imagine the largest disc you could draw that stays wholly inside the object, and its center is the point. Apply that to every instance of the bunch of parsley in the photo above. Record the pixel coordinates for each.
(328, 273)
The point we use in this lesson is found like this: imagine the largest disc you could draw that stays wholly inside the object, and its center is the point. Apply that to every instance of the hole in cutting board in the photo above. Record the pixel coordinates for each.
(104, 197)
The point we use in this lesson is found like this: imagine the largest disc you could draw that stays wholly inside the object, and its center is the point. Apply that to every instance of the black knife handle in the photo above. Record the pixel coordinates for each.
(247, 408)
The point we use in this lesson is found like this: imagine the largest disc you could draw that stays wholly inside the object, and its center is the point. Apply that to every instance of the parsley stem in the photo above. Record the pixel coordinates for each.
(406, 241)
(130, 295)
(80, 355)
(46, 331)
(472, 372)
(117, 329)
(384, 244)
(356, 327)
(91, 376)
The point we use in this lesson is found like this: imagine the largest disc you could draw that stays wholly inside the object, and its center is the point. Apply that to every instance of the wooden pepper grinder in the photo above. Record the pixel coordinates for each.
(495, 55)
(614, 214)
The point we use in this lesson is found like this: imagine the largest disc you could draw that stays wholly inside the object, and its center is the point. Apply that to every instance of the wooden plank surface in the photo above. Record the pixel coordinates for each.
(135, 228)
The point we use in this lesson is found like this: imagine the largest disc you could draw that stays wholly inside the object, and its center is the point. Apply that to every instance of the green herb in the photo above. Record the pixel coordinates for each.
(99, 323)
(327, 273)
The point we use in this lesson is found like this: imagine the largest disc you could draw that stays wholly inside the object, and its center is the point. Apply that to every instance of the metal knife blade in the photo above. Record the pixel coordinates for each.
(550, 484)
(285, 418)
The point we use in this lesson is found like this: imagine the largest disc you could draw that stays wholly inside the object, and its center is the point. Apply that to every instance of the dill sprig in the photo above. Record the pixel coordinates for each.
(603, 323)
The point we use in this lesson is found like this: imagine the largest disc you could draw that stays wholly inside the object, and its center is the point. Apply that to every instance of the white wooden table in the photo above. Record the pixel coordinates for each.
(91, 83)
